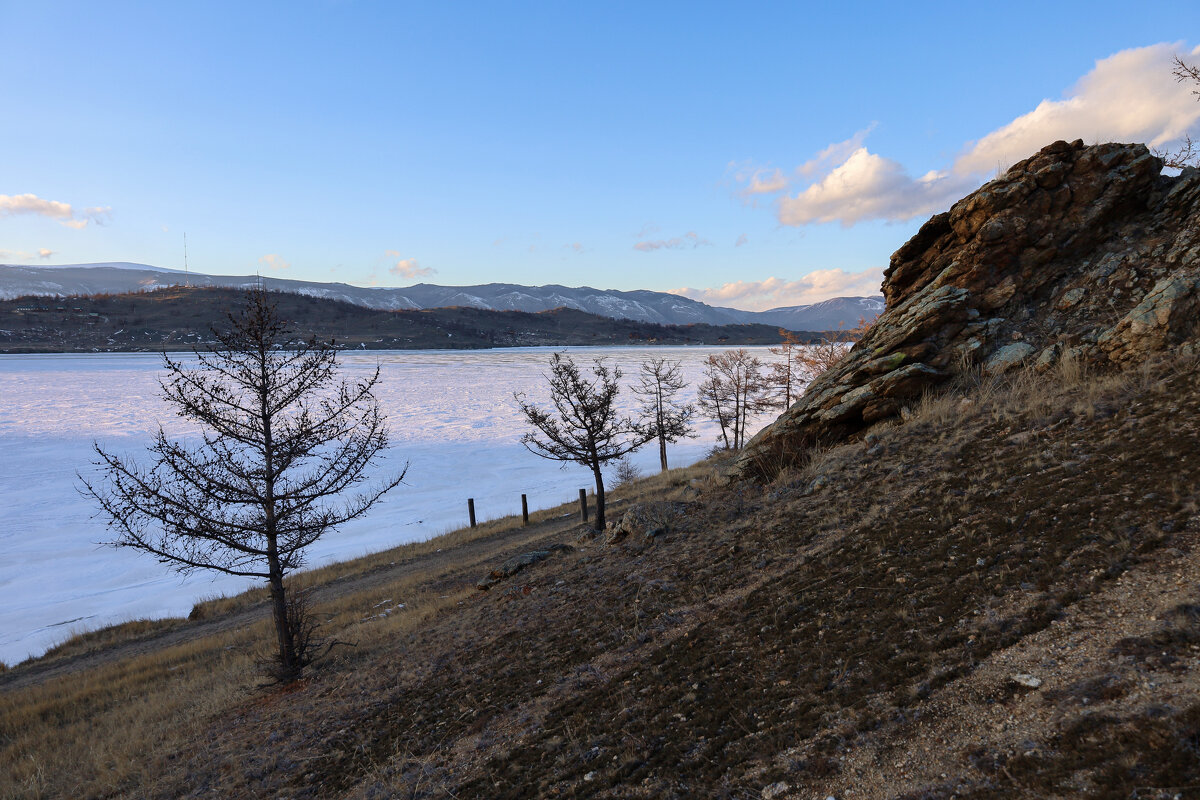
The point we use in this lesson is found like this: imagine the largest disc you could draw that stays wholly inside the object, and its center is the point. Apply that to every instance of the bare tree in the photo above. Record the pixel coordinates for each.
(660, 383)
(284, 447)
(733, 389)
(583, 426)
(814, 359)
(818, 357)
(786, 376)
(1188, 153)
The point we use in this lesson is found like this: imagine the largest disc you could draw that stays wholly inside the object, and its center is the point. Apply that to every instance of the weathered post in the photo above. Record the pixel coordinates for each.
(583, 504)
(524, 510)
(471, 509)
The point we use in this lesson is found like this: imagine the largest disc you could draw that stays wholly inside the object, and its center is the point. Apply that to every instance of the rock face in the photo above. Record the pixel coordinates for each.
(1082, 252)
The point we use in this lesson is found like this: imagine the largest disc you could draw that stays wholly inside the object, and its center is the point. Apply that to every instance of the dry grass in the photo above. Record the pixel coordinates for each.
(747, 632)
(150, 706)
(107, 730)
(92, 641)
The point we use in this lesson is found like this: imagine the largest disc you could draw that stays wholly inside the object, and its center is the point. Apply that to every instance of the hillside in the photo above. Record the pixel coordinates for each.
(861, 627)
(953, 569)
(69, 280)
(180, 317)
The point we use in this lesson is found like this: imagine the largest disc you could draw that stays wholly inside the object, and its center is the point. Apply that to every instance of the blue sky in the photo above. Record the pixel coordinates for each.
(639, 145)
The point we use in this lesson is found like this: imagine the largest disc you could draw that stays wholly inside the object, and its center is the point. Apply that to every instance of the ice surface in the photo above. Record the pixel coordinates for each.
(452, 417)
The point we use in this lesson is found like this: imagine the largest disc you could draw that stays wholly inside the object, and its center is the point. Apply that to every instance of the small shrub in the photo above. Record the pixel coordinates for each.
(627, 472)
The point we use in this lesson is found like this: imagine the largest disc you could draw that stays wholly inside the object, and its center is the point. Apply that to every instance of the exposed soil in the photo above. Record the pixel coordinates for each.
(997, 598)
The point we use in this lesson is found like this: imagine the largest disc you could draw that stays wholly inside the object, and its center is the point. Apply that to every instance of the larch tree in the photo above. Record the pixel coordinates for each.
(732, 391)
(583, 425)
(815, 359)
(786, 376)
(658, 387)
(282, 460)
(1187, 154)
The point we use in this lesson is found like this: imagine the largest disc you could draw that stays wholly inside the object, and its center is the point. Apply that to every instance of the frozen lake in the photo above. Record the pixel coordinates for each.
(452, 418)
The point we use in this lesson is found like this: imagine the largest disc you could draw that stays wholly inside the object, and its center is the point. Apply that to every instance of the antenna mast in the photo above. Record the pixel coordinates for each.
(185, 264)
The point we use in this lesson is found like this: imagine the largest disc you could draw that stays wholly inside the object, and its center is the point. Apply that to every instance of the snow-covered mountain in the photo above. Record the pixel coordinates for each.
(119, 277)
(827, 315)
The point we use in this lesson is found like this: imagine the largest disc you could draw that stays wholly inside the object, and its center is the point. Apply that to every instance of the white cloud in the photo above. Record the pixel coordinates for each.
(100, 215)
(688, 241)
(762, 181)
(774, 292)
(20, 255)
(273, 261)
(12, 205)
(408, 268)
(1128, 96)
(646, 230)
(834, 154)
(741, 240)
(867, 186)
(576, 246)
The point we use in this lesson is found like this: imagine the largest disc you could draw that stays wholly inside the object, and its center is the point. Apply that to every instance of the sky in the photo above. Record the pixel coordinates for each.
(750, 155)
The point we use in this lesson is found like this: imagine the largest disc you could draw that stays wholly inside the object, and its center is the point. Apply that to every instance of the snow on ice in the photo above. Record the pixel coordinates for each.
(452, 418)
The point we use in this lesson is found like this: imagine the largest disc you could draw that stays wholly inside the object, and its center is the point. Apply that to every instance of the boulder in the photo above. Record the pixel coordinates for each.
(1086, 251)
(517, 563)
(650, 520)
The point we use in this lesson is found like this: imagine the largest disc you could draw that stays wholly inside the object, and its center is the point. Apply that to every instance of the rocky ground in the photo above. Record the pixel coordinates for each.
(996, 598)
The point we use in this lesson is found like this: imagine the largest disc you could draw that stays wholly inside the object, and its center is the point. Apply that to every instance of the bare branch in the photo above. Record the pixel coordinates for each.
(584, 427)
(284, 446)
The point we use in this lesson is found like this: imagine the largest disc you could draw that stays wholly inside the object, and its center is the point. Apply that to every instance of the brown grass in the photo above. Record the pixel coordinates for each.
(771, 632)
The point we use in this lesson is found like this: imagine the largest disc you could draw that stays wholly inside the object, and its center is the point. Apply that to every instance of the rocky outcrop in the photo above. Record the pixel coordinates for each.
(1082, 252)
(648, 520)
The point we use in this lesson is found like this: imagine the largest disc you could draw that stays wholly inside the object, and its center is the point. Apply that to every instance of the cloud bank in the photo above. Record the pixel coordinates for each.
(774, 292)
(63, 213)
(1130, 96)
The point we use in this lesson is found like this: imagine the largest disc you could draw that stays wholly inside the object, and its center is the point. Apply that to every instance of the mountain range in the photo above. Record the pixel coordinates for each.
(18, 280)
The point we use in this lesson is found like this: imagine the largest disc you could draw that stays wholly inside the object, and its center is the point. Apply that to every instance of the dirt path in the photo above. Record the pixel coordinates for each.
(463, 561)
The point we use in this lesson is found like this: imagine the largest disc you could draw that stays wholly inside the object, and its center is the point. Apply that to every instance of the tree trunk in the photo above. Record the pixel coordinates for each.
(599, 497)
(289, 669)
(662, 451)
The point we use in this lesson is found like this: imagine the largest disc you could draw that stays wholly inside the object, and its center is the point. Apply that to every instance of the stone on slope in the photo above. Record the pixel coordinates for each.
(1081, 251)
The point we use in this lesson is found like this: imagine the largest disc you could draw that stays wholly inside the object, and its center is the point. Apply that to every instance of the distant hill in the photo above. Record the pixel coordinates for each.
(179, 317)
(642, 305)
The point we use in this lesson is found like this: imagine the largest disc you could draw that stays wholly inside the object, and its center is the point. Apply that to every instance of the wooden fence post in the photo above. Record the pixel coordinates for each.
(524, 510)
(583, 503)
(471, 509)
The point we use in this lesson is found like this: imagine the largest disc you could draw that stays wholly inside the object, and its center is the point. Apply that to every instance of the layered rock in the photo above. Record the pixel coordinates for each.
(1082, 252)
